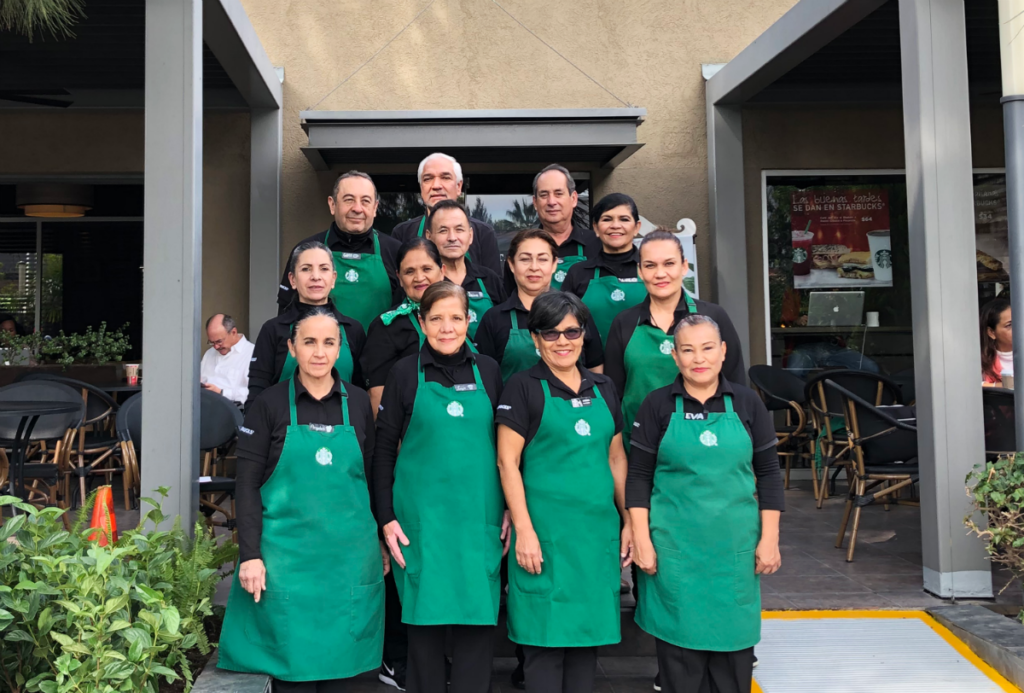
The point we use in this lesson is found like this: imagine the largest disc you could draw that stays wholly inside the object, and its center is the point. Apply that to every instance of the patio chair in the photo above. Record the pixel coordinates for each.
(218, 435)
(782, 391)
(128, 426)
(884, 453)
(998, 412)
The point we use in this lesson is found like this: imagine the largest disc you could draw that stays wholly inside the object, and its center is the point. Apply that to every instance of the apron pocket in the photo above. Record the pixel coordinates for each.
(745, 585)
(366, 617)
(412, 552)
(266, 622)
(667, 580)
(494, 547)
(535, 584)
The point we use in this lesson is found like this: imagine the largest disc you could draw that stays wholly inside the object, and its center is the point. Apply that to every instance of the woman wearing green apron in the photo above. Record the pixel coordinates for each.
(702, 447)
(503, 334)
(396, 334)
(450, 229)
(609, 282)
(311, 275)
(307, 602)
(563, 471)
(638, 355)
(442, 513)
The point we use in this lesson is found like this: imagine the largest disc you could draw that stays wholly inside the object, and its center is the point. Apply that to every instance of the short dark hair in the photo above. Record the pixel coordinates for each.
(569, 182)
(353, 174)
(530, 234)
(317, 312)
(440, 291)
(661, 234)
(303, 247)
(551, 308)
(447, 204)
(421, 243)
(226, 320)
(611, 201)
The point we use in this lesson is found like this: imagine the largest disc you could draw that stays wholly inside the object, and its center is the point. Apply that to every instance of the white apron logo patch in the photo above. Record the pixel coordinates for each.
(352, 276)
(324, 457)
(560, 275)
(582, 427)
(709, 439)
(666, 347)
(618, 295)
(472, 316)
(454, 409)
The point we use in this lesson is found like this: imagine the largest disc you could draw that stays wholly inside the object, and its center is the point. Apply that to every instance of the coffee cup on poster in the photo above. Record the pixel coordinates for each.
(881, 254)
(131, 373)
(871, 318)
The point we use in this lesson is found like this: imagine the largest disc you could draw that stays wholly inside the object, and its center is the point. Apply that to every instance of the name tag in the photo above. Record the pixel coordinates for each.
(578, 402)
(475, 294)
(560, 260)
(629, 280)
(468, 387)
(321, 428)
(351, 256)
(694, 417)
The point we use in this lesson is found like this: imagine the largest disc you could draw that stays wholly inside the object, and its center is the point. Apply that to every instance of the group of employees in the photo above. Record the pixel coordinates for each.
(413, 417)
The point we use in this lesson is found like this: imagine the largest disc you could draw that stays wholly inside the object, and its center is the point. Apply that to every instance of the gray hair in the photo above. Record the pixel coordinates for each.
(316, 312)
(226, 320)
(353, 174)
(303, 247)
(569, 182)
(692, 320)
(456, 166)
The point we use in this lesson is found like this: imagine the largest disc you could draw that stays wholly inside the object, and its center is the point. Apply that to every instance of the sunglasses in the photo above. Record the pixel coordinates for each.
(572, 334)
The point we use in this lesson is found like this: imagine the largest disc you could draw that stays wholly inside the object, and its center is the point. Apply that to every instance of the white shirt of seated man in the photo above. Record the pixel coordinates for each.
(225, 366)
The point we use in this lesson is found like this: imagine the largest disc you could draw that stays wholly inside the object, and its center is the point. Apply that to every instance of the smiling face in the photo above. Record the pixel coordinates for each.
(438, 182)
(355, 206)
(313, 276)
(563, 353)
(451, 232)
(617, 228)
(418, 271)
(533, 265)
(662, 269)
(553, 201)
(316, 345)
(445, 325)
(699, 353)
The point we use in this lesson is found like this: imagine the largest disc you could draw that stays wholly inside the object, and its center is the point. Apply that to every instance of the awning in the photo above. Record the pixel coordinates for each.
(579, 138)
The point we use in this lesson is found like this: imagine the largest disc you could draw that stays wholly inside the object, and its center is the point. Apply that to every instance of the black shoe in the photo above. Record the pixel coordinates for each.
(755, 661)
(519, 678)
(392, 674)
(657, 681)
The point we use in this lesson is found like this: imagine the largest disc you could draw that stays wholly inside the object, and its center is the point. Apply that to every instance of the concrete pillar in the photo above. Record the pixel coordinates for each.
(264, 216)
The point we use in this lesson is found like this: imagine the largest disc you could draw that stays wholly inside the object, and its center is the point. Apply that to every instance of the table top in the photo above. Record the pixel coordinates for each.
(35, 408)
(119, 387)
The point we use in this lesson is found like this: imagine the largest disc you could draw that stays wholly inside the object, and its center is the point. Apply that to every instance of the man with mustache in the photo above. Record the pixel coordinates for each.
(363, 258)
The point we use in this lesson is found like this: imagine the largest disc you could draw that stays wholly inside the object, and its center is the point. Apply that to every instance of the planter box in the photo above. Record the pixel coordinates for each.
(92, 373)
(214, 680)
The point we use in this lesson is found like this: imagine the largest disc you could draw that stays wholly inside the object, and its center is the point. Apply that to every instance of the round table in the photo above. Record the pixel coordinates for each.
(28, 413)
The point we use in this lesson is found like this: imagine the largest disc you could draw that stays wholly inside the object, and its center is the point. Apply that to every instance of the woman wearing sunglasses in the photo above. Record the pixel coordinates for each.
(563, 471)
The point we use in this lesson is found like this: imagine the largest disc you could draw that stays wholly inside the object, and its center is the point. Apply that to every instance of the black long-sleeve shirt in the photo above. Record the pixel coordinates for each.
(342, 242)
(619, 265)
(652, 422)
(579, 238)
(386, 345)
(480, 276)
(397, 401)
(483, 251)
(261, 440)
(271, 348)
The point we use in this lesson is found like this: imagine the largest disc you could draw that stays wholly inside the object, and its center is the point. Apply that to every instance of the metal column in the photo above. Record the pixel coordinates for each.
(1013, 131)
(172, 284)
(940, 201)
(264, 216)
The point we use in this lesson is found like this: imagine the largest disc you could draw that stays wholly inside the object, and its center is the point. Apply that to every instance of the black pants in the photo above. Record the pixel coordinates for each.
(560, 669)
(701, 671)
(472, 658)
(331, 686)
(396, 641)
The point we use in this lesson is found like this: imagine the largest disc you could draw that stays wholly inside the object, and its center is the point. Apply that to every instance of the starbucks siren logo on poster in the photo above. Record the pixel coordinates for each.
(352, 276)
(324, 457)
(709, 439)
(799, 255)
(666, 347)
(618, 295)
(883, 258)
(455, 409)
(582, 427)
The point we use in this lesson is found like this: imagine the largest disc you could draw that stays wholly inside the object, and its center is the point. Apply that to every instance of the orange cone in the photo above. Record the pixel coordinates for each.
(103, 511)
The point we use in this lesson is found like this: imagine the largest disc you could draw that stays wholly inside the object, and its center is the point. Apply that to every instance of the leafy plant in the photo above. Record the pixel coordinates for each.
(27, 17)
(996, 489)
(78, 617)
(91, 346)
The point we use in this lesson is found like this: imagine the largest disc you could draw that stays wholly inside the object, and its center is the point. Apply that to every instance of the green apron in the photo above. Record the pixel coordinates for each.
(570, 492)
(649, 365)
(363, 286)
(479, 303)
(606, 297)
(344, 364)
(520, 351)
(450, 504)
(705, 526)
(322, 614)
(564, 263)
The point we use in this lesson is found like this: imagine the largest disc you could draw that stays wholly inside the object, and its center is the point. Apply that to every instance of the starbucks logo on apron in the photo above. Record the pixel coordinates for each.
(352, 276)
(324, 457)
(560, 275)
(472, 316)
(582, 427)
(709, 439)
(618, 295)
(455, 409)
(665, 347)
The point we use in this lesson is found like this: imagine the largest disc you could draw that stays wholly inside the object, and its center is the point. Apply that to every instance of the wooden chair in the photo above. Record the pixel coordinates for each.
(782, 391)
(128, 425)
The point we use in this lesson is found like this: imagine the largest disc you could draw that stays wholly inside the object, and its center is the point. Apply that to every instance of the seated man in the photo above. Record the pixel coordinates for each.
(225, 367)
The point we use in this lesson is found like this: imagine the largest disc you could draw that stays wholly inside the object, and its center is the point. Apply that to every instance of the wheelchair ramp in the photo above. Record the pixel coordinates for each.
(867, 652)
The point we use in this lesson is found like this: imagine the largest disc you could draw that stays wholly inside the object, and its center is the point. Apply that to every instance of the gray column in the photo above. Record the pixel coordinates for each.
(264, 216)
(172, 284)
(728, 230)
(944, 286)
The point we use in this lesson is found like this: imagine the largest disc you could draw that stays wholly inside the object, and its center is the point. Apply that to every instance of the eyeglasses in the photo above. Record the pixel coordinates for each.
(218, 344)
(572, 334)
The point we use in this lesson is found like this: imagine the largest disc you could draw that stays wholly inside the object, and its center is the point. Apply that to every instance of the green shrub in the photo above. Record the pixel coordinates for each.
(75, 616)
(92, 346)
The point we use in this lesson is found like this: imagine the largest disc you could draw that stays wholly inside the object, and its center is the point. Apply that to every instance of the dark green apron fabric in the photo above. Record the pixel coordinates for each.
(564, 263)
(606, 297)
(479, 303)
(520, 351)
(363, 288)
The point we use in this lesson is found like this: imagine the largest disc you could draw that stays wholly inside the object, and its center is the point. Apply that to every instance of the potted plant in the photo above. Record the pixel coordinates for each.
(92, 356)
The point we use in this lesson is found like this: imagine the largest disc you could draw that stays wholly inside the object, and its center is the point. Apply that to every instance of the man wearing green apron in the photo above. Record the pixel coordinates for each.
(701, 449)
(363, 258)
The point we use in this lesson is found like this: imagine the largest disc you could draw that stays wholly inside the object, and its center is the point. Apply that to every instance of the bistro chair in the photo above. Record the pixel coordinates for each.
(884, 447)
(998, 412)
(782, 391)
(128, 425)
(220, 420)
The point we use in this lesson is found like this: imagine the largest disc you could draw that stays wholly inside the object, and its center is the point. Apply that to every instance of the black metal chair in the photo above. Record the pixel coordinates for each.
(128, 426)
(220, 420)
(885, 458)
(782, 391)
(1000, 431)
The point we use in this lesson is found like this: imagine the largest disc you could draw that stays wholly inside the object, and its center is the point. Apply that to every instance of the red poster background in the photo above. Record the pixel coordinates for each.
(840, 216)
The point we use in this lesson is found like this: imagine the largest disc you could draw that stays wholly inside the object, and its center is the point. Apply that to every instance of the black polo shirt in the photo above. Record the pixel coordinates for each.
(579, 236)
(522, 401)
(477, 274)
(619, 265)
(625, 324)
(261, 440)
(396, 405)
(496, 326)
(341, 242)
(483, 251)
(271, 348)
(385, 345)
(652, 422)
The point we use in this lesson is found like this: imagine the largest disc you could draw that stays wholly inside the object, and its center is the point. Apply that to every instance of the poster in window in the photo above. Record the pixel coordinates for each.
(992, 249)
(841, 238)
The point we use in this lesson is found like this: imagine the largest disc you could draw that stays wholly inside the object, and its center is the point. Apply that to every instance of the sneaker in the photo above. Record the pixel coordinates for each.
(657, 682)
(392, 675)
(755, 661)
(519, 678)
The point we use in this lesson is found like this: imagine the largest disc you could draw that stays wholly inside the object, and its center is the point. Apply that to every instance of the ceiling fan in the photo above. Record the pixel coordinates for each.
(37, 97)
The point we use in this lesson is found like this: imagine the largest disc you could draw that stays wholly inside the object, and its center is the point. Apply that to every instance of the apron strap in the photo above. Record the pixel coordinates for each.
(423, 225)
(327, 237)
(416, 324)
(728, 404)
(376, 244)
(480, 285)
(476, 378)
(344, 403)
(597, 273)
(515, 320)
(690, 305)
(291, 399)
(545, 388)
(679, 404)
(420, 379)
